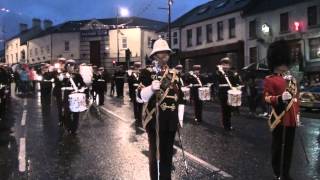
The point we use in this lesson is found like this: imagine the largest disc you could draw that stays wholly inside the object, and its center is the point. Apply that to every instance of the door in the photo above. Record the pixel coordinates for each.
(95, 58)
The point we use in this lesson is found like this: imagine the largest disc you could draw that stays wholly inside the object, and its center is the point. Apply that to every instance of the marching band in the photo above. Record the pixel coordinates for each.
(159, 94)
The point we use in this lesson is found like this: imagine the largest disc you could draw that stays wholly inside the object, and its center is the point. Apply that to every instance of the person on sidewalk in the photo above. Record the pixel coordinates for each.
(280, 91)
(163, 97)
(119, 76)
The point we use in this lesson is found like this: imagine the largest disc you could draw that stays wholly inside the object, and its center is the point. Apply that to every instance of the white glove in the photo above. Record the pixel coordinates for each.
(155, 85)
(298, 120)
(60, 77)
(68, 75)
(286, 96)
(190, 85)
(181, 114)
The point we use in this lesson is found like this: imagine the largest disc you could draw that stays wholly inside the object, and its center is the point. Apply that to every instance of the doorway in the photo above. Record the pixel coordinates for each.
(95, 58)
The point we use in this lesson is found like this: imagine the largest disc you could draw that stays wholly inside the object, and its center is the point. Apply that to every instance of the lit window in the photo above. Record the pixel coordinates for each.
(314, 45)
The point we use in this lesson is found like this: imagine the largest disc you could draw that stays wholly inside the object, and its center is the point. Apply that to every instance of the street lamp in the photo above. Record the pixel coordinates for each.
(122, 12)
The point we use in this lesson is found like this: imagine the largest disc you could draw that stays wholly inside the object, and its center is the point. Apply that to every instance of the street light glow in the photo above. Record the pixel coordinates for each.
(124, 12)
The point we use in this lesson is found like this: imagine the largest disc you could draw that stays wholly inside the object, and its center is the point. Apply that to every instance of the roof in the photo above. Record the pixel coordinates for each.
(261, 6)
(211, 9)
(74, 26)
(26, 35)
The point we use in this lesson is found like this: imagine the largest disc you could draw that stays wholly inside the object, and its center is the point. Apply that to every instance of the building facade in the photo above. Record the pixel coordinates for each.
(91, 41)
(295, 21)
(210, 32)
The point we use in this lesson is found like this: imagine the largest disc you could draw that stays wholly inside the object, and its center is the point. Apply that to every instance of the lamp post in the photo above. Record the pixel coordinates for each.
(123, 12)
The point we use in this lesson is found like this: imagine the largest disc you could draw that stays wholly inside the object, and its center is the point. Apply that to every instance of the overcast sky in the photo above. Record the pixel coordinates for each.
(61, 10)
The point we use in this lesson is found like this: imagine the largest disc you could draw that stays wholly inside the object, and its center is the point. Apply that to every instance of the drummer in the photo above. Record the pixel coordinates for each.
(226, 110)
(71, 118)
(195, 82)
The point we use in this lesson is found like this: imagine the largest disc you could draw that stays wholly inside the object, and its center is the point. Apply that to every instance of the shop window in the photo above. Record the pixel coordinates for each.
(314, 48)
(253, 53)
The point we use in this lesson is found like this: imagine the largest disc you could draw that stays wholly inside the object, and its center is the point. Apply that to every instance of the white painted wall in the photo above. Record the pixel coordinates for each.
(43, 47)
(12, 51)
(58, 44)
(240, 30)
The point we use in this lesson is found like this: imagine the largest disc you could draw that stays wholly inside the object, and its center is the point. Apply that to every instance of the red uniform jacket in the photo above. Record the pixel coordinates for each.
(274, 86)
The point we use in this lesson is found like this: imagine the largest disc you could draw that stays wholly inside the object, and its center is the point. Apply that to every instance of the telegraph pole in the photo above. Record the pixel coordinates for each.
(169, 8)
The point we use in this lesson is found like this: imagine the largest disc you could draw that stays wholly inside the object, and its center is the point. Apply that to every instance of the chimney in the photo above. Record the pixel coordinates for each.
(36, 23)
(47, 24)
(23, 27)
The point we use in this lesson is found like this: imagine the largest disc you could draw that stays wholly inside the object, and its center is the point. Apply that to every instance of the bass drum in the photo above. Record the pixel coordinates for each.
(234, 98)
(77, 102)
(86, 72)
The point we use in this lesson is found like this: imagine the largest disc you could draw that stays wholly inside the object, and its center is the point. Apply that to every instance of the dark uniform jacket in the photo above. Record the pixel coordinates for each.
(98, 82)
(196, 82)
(223, 86)
(168, 108)
(133, 82)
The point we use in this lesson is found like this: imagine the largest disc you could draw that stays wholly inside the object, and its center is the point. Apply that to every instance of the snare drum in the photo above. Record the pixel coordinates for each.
(77, 102)
(204, 94)
(186, 93)
(234, 98)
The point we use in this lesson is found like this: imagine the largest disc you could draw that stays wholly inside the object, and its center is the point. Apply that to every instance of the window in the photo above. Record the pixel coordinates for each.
(312, 16)
(23, 54)
(253, 29)
(253, 55)
(124, 43)
(36, 51)
(48, 49)
(220, 31)
(149, 42)
(189, 37)
(66, 45)
(232, 28)
(199, 35)
(41, 50)
(175, 38)
(209, 33)
(30, 52)
(284, 22)
(314, 45)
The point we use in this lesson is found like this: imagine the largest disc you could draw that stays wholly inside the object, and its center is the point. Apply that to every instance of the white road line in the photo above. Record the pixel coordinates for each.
(24, 118)
(25, 102)
(22, 155)
(189, 155)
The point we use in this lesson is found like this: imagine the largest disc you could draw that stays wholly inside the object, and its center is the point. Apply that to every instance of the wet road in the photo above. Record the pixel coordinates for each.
(113, 147)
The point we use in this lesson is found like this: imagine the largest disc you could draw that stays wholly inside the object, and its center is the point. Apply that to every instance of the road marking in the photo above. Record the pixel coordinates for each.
(22, 155)
(25, 102)
(189, 155)
(24, 118)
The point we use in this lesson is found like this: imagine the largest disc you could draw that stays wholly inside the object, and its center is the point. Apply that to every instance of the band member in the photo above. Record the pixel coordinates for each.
(281, 93)
(58, 76)
(179, 68)
(46, 83)
(223, 75)
(195, 82)
(119, 81)
(134, 83)
(162, 95)
(98, 85)
(72, 82)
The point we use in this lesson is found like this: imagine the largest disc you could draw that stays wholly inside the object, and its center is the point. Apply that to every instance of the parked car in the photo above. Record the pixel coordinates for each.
(310, 97)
